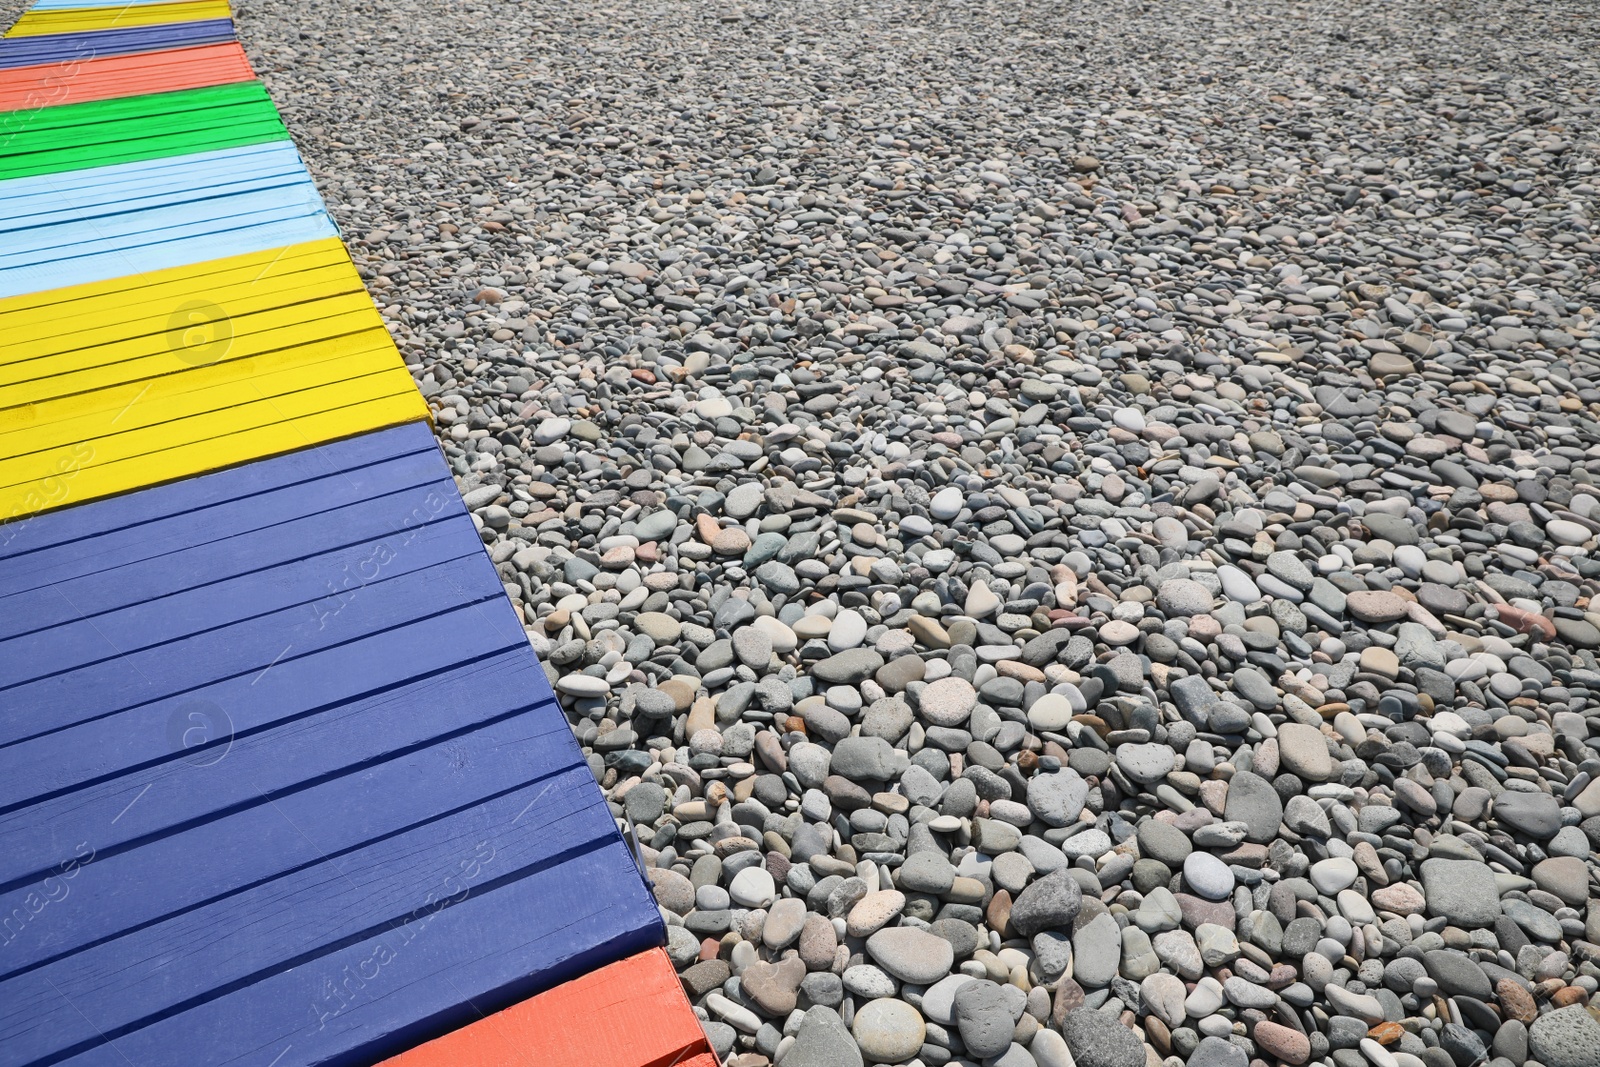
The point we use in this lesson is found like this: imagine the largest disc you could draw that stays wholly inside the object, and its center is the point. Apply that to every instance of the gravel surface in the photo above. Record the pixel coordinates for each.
(1066, 530)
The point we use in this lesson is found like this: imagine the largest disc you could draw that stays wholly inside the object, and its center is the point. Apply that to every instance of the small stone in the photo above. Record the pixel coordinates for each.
(1332, 875)
(888, 1031)
(1462, 891)
(1375, 606)
(1568, 1037)
(1145, 763)
(948, 702)
(1253, 801)
(1051, 713)
(752, 888)
(823, 1040)
(1536, 814)
(1279, 1041)
(1097, 1039)
(1050, 903)
(1096, 950)
(911, 955)
(1207, 876)
(1304, 752)
(1182, 598)
(983, 1013)
(1565, 876)
(773, 987)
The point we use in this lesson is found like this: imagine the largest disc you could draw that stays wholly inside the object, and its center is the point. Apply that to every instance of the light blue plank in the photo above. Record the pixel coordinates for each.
(141, 187)
(77, 183)
(285, 217)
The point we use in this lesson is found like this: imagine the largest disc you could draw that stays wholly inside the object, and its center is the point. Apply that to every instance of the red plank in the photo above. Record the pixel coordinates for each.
(79, 81)
(630, 1014)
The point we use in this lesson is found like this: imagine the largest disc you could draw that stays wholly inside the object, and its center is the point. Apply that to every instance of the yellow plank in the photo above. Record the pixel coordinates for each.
(78, 20)
(178, 351)
(184, 321)
(114, 405)
(238, 406)
(77, 478)
(149, 408)
(135, 291)
(117, 385)
(306, 362)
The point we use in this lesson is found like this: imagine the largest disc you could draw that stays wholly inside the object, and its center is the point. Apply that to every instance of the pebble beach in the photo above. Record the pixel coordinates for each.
(1066, 533)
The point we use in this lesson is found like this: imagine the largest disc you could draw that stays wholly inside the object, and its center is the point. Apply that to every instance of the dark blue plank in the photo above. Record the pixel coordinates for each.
(40, 705)
(172, 536)
(69, 47)
(360, 538)
(443, 968)
(92, 532)
(275, 893)
(154, 971)
(168, 874)
(219, 746)
(317, 563)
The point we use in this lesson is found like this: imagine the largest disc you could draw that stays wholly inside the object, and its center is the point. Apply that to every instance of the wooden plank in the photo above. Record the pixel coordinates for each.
(48, 199)
(182, 958)
(359, 530)
(79, 473)
(136, 417)
(312, 725)
(67, 5)
(194, 512)
(197, 601)
(78, 20)
(159, 107)
(272, 835)
(69, 232)
(303, 358)
(39, 201)
(69, 47)
(115, 681)
(115, 301)
(132, 551)
(75, 251)
(631, 1013)
(190, 66)
(248, 315)
(258, 334)
(105, 132)
(436, 972)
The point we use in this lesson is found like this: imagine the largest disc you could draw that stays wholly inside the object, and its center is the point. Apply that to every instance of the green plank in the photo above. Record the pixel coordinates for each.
(103, 132)
(128, 106)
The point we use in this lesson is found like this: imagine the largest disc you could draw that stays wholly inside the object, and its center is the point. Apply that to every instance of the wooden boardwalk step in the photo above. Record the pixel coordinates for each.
(72, 47)
(78, 20)
(101, 133)
(190, 66)
(279, 730)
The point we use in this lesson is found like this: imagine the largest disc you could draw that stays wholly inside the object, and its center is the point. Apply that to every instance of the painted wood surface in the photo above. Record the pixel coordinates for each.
(65, 49)
(79, 20)
(189, 66)
(631, 1013)
(132, 222)
(115, 384)
(278, 768)
(53, 139)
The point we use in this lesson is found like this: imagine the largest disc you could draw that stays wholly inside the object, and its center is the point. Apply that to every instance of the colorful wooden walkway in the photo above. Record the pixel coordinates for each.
(281, 780)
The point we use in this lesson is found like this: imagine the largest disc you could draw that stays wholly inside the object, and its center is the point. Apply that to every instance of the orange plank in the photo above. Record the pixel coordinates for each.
(630, 1014)
(106, 78)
